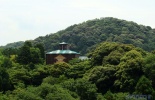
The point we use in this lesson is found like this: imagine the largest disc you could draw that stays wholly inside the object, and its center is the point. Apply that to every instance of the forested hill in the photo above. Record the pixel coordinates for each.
(83, 36)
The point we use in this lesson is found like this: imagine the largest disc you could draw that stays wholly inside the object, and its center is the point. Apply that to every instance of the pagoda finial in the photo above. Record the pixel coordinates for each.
(63, 46)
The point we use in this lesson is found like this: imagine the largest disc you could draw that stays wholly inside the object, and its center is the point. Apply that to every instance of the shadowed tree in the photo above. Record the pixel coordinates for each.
(144, 86)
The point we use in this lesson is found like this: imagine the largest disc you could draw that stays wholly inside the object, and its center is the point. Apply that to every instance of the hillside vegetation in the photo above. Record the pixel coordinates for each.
(121, 63)
(84, 36)
(114, 72)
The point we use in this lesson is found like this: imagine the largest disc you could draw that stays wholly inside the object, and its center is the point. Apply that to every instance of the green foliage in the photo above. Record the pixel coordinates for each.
(54, 92)
(87, 34)
(58, 69)
(74, 61)
(120, 96)
(26, 95)
(149, 67)
(29, 54)
(115, 96)
(85, 89)
(19, 75)
(14, 45)
(5, 83)
(113, 58)
(39, 73)
(78, 69)
(53, 80)
(45, 89)
(144, 86)
(109, 53)
(129, 70)
(7, 97)
(24, 56)
(6, 63)
(103, 77)
(100, 97)
(42, 51)
(35, 55)
(9, 51)
(113, 71)
(121, 67)
(59, 96)
(109, 95)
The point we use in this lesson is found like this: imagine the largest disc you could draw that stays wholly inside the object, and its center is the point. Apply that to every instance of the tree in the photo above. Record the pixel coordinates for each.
(6, 63)
(58, 69)
(77, 69)
(103, 77)
(19, 75)
(144, 86)
(54, 92)
(149, 67)
(52, 80)
(5, 83)
(9, 51)
(29, 54)
(39, 73)
(92, 32)
(24, 56)
(41, 48)
(35, 55)
(109, 96)
(109, 53)
(129, 71)
(27, 95)
(84, 88)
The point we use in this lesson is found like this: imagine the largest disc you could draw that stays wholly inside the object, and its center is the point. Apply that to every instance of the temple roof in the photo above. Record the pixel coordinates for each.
(63, 43)
(62, 52)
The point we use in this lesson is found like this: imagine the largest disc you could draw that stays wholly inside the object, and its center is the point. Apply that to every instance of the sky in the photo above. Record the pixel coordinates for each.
(22, 20)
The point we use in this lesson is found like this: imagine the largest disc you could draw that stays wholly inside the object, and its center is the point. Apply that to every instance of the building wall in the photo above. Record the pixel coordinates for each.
(55, 58)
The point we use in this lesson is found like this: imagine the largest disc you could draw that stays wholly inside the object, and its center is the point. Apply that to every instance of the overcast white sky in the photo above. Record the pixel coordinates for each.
(22, 20)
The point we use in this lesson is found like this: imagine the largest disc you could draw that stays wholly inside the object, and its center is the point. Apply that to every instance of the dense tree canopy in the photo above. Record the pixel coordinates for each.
(113, 72)
(29, 54)
(116, 68)
(82, 37)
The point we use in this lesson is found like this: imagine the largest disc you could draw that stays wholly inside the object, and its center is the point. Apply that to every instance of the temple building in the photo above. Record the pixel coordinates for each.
(61, 55)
